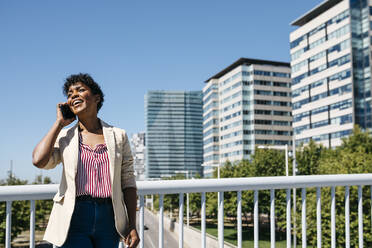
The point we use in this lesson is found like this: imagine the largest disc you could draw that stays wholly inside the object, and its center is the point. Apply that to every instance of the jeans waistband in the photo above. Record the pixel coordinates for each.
(94, 199)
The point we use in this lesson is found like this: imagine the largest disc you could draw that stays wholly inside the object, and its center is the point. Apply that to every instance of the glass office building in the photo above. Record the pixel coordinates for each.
(330, 61)
(246, 105)
(174, 133)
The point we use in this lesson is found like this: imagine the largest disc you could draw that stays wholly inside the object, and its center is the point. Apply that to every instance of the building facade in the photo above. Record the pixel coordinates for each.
(138, 144)
(174, 133)
(330, 61)
(246, 105)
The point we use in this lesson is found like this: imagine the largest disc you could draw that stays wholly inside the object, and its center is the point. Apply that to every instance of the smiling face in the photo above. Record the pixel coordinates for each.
(81, 100)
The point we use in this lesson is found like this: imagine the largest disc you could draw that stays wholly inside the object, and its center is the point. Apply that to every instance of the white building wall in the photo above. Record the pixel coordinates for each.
(139, 154)
(327, 38)
(236, 111)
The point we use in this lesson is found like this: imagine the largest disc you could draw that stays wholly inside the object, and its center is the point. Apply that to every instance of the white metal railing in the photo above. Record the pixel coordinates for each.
(39, 192)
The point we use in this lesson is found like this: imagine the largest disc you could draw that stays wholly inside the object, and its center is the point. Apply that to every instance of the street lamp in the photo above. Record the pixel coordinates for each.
(285, 147)
(187, 197)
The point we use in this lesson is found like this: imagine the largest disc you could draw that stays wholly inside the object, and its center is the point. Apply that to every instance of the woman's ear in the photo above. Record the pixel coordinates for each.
(98, 98)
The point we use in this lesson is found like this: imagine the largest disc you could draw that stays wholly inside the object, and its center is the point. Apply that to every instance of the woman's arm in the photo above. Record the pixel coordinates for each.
(130, 199)
(44, 150)
(129, 187)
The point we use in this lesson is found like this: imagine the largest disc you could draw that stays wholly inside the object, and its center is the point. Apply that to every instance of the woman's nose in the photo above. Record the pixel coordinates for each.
(74, 94)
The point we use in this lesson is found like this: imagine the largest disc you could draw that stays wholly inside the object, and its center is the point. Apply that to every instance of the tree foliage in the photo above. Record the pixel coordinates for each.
(353, 156)
(308, 158)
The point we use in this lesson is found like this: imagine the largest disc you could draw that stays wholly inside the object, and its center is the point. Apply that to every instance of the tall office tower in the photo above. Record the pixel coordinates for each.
(139, 152)
(330, 60)
(174, 133)
(246, 104)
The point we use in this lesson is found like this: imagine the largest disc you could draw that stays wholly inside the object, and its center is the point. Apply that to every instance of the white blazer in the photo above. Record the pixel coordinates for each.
(66, 150)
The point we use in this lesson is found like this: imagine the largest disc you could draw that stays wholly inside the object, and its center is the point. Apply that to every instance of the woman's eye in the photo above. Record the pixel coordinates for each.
(81, 90)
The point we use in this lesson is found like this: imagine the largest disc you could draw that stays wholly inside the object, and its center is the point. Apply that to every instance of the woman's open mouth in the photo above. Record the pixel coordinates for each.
(77, 103)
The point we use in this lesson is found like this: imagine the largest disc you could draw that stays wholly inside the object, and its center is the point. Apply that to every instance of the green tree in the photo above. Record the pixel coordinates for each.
(230, 198)
(271, 162)
(228, 170)
(211, 206)
(308, 158)
(195, 201)
(212, 197)
(352, 157)
(245, 169)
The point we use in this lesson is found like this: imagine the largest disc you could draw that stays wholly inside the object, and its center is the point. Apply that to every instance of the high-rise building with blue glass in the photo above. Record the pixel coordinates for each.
(174, 133)
(330, 61)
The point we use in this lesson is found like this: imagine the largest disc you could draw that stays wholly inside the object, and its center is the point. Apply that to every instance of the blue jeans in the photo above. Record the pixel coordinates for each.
(92, 226)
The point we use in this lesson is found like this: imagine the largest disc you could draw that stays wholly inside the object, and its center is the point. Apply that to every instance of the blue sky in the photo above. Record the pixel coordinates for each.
(129, 47)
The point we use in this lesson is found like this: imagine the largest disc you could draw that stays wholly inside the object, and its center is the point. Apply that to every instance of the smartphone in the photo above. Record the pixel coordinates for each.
(66, 112)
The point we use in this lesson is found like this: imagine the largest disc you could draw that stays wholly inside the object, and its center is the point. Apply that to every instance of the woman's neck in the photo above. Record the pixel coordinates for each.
(91, 125)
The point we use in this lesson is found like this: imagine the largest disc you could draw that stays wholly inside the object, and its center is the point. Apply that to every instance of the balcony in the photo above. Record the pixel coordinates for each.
(257, 184)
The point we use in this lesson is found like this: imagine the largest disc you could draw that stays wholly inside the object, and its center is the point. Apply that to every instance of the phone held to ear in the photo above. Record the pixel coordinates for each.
(66, 112)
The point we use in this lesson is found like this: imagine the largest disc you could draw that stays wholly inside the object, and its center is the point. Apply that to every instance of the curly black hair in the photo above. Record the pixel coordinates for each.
(86, 79)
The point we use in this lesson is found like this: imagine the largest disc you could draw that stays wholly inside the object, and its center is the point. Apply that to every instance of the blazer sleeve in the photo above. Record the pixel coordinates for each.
(56, 156)
(128, 179)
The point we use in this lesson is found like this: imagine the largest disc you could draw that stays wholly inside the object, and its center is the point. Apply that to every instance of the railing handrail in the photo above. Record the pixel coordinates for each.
(47, 191)
(251, 183)
(28, 192)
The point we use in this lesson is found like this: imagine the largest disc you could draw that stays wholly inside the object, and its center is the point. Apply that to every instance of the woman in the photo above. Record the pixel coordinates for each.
(95, 205)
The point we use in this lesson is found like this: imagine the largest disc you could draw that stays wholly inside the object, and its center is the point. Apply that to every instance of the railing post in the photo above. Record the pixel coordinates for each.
(347, 217)
(288, 200)
(142, 222)
(256, 216)
(294, 219)
(333, 218)
(239, 218)
(360, 215)
(8, 236)
(304, 224)
(272, 218)
(318, 218)
(188, 209)
(161, 219)
(180, 221)
(203, 236)
(32, 223)
(220, 220)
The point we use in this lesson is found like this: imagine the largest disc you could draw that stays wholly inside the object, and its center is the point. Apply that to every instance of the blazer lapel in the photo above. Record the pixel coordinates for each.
(75, 148)
(71, 153)
(109, 137)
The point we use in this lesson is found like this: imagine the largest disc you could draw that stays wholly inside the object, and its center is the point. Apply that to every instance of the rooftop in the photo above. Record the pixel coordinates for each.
(247, 61)
(316, 11)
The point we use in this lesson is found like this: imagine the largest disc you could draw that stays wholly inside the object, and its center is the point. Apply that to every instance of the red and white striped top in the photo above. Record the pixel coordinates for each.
(93, 173)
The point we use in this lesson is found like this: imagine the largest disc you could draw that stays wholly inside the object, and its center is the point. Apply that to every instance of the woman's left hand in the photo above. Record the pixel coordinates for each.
(132, 239)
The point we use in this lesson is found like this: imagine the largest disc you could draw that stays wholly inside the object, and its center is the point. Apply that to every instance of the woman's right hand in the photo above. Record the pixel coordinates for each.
(60, 120)
(44, 149)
